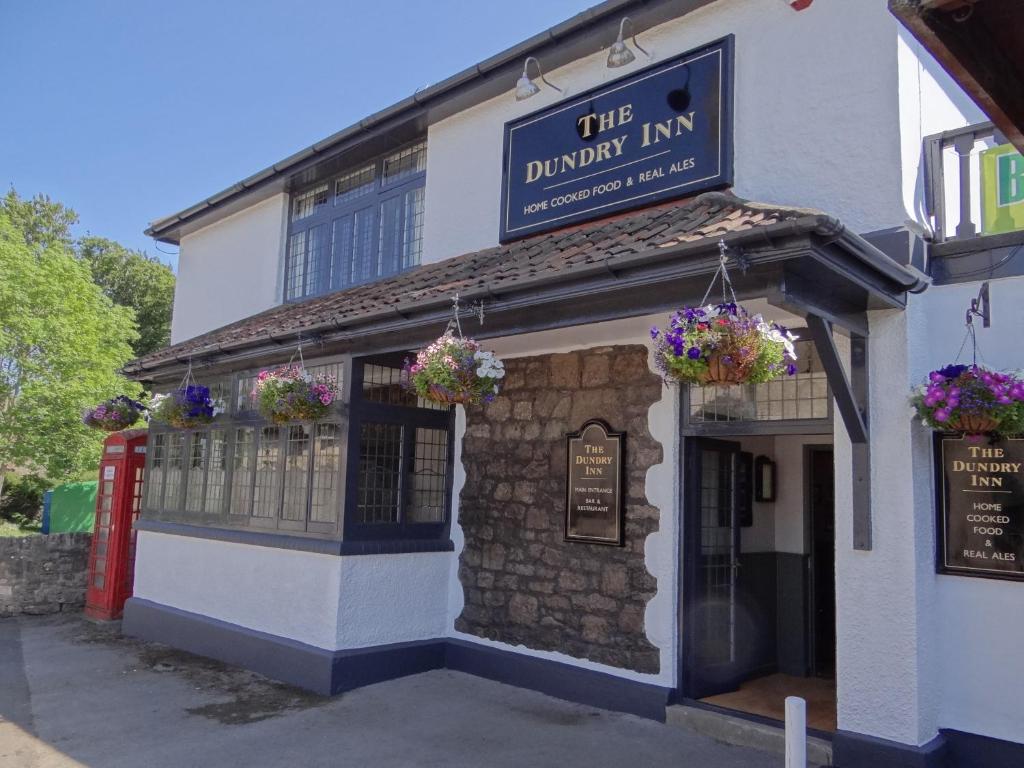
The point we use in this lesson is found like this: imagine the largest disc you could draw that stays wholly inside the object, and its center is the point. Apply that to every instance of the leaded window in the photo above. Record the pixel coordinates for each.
(243, 467)
(375, 468)
(805, 396)
(399, 475)
(370, 226)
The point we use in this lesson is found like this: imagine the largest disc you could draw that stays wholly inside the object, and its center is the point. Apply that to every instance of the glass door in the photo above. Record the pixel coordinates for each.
(716, 482)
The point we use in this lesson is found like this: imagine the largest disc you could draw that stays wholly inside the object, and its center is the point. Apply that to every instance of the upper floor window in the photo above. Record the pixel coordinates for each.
(365, 224)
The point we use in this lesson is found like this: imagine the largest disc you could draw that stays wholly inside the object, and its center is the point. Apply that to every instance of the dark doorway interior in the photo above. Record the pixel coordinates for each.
(759, 608)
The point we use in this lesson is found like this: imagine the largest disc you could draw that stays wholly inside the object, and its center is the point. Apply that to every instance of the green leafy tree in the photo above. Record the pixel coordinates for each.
(62, 344)
(41, 221)
(133, 279)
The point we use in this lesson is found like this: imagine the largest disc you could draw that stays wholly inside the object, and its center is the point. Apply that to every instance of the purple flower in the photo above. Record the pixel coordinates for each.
(693, 353)
(791, 369)
(951, 371)
(941, 414)
(654, 331)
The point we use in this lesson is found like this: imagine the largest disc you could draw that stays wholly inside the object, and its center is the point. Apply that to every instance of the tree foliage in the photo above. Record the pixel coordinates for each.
(62, 343)
(133, 279)
(41, 221)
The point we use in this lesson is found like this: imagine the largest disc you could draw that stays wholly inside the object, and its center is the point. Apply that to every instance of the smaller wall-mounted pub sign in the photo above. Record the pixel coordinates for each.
(593, 511)
(980, 499)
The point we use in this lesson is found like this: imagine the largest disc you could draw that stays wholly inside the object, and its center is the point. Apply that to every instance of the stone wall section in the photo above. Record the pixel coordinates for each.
(43, 574)
(523, 584)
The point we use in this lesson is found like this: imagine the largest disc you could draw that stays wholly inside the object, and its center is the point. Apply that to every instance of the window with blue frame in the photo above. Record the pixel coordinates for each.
(362, 225)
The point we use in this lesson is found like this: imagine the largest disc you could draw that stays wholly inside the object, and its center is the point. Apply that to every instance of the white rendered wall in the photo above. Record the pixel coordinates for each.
(976, 665)
(929, 103)
(278, 591)
(392, 598)
(760, 537)
(230, 269)
(886, 642)
(791, 488)
(326, 601)
(816, 117)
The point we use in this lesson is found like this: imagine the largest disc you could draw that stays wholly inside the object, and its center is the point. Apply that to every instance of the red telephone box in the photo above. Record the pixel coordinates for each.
(118, 501)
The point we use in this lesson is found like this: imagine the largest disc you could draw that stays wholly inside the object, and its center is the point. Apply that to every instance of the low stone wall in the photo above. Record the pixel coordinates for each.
(43, 574)
(523, 583)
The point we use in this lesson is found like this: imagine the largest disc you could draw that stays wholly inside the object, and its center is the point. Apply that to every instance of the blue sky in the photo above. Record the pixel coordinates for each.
(129, 111)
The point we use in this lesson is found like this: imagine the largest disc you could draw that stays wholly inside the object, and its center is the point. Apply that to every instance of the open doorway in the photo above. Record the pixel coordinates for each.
(758, 613)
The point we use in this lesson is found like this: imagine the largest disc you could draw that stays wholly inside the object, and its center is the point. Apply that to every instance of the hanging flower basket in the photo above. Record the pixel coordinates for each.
(722, 344)
(114, 415)
(972, 400)
(187, 407)
(289, 393)
(454, 370)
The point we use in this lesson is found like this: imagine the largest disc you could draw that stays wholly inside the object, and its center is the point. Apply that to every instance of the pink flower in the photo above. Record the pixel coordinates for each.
(941, 414)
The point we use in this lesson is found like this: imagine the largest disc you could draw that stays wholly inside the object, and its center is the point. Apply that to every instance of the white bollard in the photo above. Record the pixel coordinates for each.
(796, 732)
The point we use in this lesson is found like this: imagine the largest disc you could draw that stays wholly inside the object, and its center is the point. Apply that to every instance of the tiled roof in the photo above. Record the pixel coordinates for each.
(711, 215)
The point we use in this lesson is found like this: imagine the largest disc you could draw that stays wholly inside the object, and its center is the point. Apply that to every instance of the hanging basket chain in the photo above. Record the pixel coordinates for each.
(970, 334)
(187, 379)
(298, 351)
(723, 273)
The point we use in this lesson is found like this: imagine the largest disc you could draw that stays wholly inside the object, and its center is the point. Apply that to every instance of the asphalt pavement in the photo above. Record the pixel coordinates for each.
(74, 693)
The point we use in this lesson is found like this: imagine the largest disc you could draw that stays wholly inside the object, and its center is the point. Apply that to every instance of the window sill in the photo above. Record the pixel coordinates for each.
(277, 540)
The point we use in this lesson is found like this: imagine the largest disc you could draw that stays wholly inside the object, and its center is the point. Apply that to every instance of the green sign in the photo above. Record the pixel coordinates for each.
(1002, 185)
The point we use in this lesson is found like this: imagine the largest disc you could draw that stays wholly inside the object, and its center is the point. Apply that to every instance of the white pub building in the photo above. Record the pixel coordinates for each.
(797, 537)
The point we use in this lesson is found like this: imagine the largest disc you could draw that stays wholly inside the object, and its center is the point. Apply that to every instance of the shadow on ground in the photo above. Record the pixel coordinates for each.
(251, 697)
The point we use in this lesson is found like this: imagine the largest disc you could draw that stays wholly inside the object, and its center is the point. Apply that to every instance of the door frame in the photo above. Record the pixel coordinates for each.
(811, 621)
(689, 553)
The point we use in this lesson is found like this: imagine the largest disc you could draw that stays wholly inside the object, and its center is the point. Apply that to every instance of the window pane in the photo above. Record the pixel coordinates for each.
(296, 473)
(216, 472)
(390, 236)
(318, 261)
(426, 503)
(309, 202)
(295, 267)
(342, 248)
(363, 263)
(405, 163)
(355, 185)
(801, 396)
(267, 493)
(243, 397)
(380, 473)
(242, 474)
(196, 472)
(175, 470)
(155, 471)
(326, 472)
(412, 229)
(383, 384)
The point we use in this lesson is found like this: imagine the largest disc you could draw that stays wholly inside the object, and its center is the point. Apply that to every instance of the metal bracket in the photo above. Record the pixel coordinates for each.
(981, 307)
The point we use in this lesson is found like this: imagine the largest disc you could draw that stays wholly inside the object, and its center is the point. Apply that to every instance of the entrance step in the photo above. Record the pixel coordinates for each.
(741, 732)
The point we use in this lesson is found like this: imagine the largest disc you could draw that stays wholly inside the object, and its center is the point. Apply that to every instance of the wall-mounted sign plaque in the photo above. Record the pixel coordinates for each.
(980, 499)
(661, 133)
(593, 511)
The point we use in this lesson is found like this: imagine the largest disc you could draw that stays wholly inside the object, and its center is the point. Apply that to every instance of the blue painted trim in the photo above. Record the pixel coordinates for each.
(328, 672)
(855, 750)
(302, 665)
(564, 681)
(296, 543)
(969, 750)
